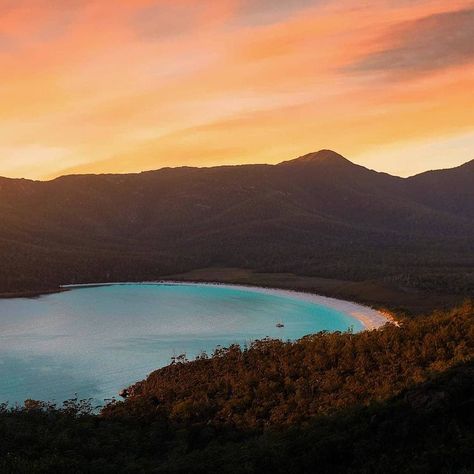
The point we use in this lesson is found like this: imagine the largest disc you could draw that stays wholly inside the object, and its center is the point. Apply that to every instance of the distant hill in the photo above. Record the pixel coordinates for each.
(317, 215)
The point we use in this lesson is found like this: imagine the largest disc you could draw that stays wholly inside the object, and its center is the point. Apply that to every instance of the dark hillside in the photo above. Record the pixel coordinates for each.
(451, 190)
(318, 215)
(274, 383)
(391, 401)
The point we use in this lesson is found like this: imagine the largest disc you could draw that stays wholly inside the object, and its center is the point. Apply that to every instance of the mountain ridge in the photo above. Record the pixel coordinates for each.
(323, 156)
(317, 215)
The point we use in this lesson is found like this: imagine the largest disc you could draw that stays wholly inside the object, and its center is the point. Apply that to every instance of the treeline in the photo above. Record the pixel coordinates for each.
(275, 383)
(396, 400)
(317, 216)
(39, 267)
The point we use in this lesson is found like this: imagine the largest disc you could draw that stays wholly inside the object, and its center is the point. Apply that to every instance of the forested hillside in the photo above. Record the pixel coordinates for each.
(395, 400)
(318, 215)
(282, 383)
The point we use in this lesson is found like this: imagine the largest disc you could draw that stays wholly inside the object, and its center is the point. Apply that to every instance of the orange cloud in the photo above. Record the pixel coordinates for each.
(92, 86)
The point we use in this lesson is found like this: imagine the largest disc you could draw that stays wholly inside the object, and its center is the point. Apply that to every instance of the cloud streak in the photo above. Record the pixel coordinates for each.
(435, 42)
(127, 85)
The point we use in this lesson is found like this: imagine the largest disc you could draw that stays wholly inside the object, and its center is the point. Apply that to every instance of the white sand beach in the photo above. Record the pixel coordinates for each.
(369, 317)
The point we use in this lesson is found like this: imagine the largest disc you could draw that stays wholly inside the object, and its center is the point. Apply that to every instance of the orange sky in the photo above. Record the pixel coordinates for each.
(130, 85)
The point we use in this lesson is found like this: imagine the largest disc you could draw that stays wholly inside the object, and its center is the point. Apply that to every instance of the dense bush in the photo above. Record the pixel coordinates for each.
(283, 383)
(394, 400)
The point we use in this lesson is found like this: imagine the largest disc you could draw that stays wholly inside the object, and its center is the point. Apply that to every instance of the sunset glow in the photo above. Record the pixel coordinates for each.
(92, 86)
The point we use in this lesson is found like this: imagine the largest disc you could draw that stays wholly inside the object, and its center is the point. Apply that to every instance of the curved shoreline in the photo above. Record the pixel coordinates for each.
(368, 317)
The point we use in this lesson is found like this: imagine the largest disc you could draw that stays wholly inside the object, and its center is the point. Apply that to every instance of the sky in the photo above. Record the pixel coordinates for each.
(114, 86)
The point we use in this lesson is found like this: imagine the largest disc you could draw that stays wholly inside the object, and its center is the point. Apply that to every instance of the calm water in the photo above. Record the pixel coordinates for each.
(94, 341)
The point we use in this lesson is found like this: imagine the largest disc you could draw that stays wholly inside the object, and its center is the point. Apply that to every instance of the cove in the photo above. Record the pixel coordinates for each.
(95, 340)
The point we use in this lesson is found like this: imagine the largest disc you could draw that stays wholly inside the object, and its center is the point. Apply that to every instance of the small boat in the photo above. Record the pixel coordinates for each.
(280, 325)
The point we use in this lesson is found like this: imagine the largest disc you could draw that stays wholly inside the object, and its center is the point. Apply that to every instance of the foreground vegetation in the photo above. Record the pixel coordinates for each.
(394, 400)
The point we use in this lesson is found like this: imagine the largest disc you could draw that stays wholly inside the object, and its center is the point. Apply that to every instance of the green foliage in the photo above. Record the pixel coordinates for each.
(396, 400)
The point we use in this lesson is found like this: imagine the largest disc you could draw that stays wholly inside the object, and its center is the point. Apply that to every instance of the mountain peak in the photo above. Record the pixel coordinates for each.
(321, 156)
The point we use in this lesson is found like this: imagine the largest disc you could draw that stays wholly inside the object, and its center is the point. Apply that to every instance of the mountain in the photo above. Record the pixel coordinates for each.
(319, 215)
(451, 190)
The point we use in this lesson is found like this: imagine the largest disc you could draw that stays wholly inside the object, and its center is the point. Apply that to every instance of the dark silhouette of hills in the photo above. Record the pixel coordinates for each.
(450, 190)
(394, 400)
(319, 214)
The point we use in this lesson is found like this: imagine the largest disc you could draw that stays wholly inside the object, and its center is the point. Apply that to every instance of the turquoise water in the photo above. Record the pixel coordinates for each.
(94, 341)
